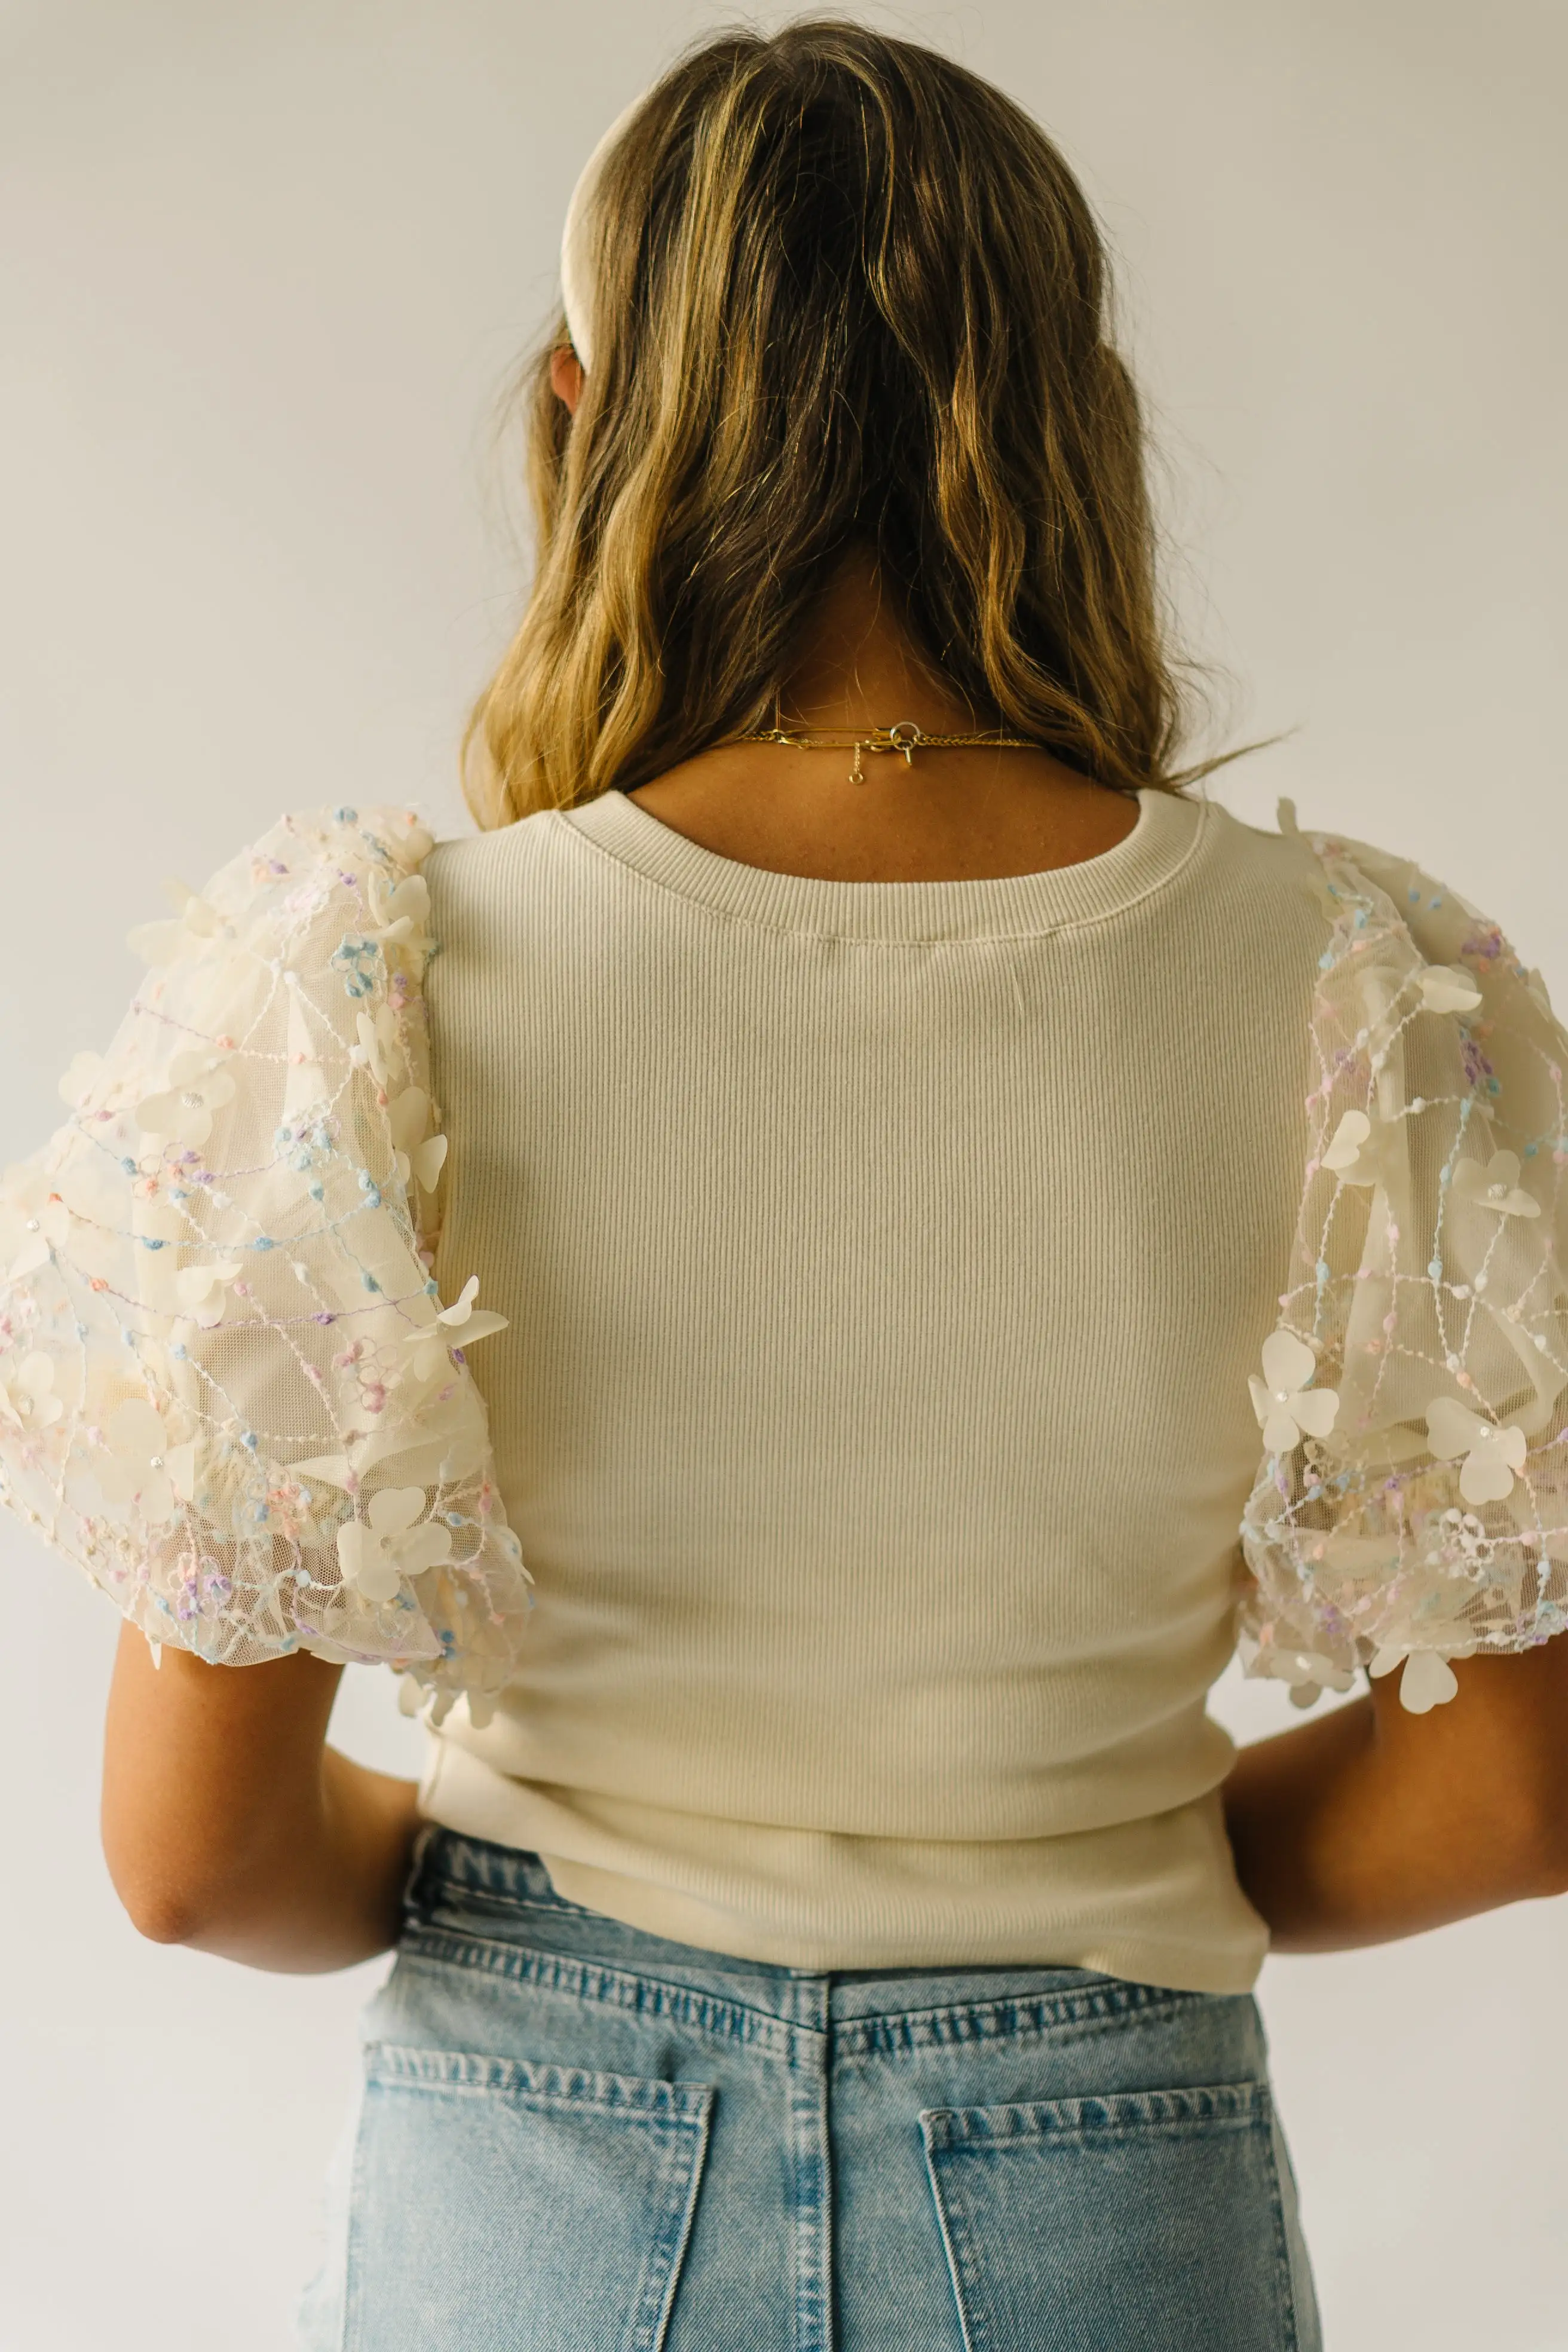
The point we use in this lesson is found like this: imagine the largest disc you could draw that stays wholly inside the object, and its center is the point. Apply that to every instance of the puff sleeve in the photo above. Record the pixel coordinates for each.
(228, 1388)
(1412, 1504)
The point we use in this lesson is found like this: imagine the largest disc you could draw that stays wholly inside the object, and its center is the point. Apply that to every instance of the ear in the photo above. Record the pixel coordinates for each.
(566, 376)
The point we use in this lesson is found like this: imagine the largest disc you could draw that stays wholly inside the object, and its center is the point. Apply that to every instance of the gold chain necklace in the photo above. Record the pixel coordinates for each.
(905, 735)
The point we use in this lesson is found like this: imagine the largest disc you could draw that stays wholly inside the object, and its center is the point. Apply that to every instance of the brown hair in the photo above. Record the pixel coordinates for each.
(846, 292)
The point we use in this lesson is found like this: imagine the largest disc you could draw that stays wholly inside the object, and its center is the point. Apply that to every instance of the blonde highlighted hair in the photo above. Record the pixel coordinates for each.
(847, 294)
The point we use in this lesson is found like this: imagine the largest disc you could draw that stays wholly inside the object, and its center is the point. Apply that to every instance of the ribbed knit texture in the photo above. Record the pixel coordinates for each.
(885, 1263)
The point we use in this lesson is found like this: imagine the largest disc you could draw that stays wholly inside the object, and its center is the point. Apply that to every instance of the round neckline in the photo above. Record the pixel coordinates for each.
(1165, 835)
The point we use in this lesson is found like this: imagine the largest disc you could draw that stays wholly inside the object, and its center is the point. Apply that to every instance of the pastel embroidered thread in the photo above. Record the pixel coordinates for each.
(228, 1388)
(1412, 1505)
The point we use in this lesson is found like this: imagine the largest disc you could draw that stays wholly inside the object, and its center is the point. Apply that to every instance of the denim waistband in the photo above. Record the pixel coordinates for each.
(464, 1892)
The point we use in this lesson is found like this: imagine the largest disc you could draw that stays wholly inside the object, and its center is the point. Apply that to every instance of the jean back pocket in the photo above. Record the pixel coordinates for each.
(1147, 2218)
(499, 2203)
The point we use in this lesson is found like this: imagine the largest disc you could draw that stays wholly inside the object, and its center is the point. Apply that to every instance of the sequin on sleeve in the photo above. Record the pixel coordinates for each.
(228, 1388)
(1412, 1504)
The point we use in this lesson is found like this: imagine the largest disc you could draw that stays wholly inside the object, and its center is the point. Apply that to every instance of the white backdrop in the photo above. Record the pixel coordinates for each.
(263, 271)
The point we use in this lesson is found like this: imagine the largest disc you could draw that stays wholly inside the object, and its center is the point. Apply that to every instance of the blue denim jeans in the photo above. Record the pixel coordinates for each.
(576, 2138)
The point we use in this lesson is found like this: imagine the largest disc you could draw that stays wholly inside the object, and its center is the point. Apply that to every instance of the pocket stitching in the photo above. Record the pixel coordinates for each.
(531, 2081)
(1282, 2270)
(668, 2254)
(959, 2263)
(960, 2245)
(1237, 2105)
(674, 2119)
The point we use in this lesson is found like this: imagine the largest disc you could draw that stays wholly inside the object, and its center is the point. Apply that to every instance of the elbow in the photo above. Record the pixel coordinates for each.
(160, 1909)
(161, 1915)
(1552, 1848)
(1539, 1811)
(164, 1898)
(1528, 1836)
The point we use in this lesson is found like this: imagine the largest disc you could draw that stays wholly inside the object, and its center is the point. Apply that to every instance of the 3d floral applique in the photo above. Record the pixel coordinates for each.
(457, 1325)
(201, 1290)
(27, 1396)
(1427, 1681)
(1446, 989)
(34, 1221)
(399, 910)
(377, 1047)
(426, 1162)
(229, 1388)
(419, 1154)
(199, 1086)
(80, 1081)
(1491, 1454)
(1351, 1153)
(196, 924)
(141, 1466)
(1288, 1408)
(394, 1540)
(1428, 1292)
(1494, 1185)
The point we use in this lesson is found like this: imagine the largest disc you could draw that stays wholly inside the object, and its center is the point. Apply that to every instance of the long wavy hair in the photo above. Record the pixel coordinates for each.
(847, 294)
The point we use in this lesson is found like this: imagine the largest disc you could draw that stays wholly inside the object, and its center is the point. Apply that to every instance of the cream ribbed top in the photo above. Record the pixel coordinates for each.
(885, 1263)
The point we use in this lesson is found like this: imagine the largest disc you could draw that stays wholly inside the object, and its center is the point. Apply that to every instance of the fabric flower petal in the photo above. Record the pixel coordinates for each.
(1281, 1433)
(180, 1462)
(1445, 989)
(1429, 1681)
(135, 1430)
(1485, 1477)
(1495, 1186)
(369, 1563)
(429, 1160)
(463, 1304)
(394, 1508)
(1452, 1427)
(1288, 1362)
(156, 1498)
(479, 1325)
(1315, 1410)
(81, 1075)
(34, 1254)
(423, 1547)
(331, 1469)
(409, 1116)
(1344, 1149)
(380, 1577)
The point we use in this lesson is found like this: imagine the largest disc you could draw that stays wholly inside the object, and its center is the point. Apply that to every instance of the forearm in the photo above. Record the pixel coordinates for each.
(1323, 1849)
(229, 1825)
(1369, 1823)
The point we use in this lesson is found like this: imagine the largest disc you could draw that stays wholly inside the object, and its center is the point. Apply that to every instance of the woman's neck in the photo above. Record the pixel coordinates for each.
(858, 668)
(968, 815)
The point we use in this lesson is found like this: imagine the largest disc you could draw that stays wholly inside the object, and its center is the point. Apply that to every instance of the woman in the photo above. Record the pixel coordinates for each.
(873, 1092)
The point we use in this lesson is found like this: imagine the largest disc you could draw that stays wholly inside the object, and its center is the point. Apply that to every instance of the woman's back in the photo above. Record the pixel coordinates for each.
(873, 1412)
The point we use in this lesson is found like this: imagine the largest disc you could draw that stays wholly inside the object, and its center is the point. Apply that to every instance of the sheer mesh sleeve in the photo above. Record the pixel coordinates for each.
(228, 1388)
(1412, 1505)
